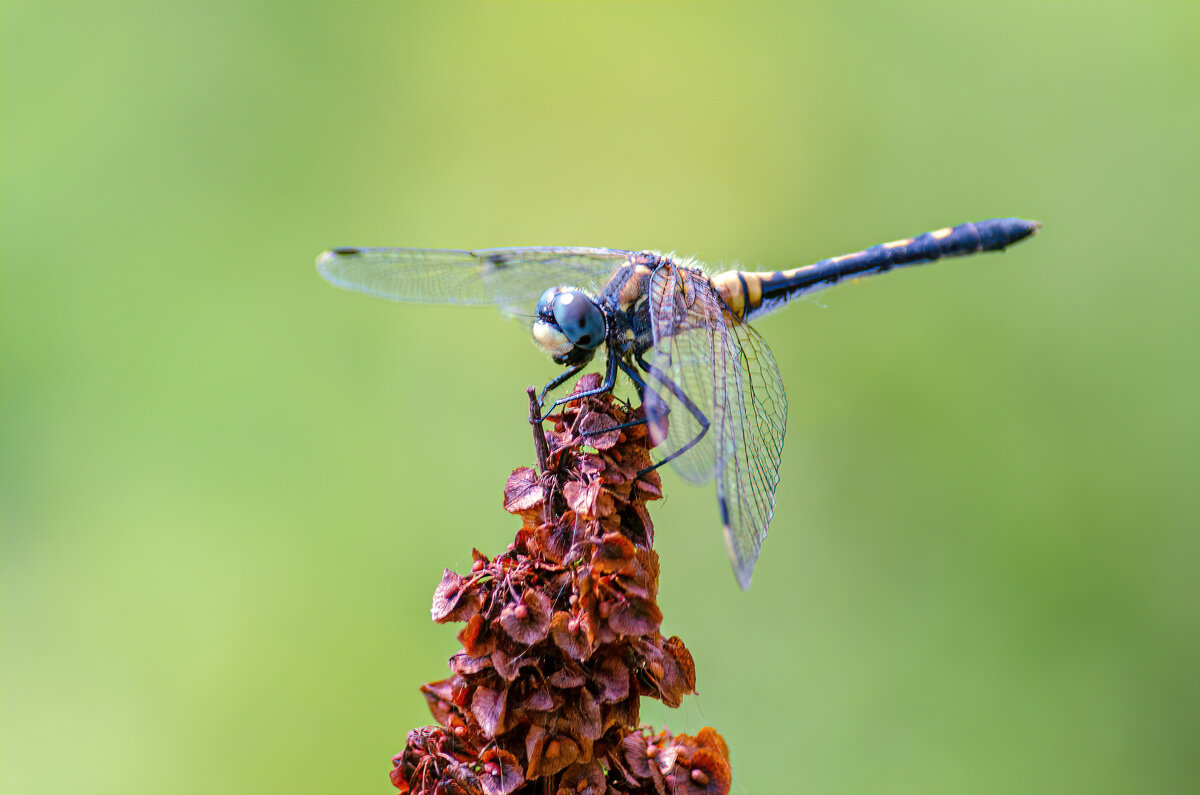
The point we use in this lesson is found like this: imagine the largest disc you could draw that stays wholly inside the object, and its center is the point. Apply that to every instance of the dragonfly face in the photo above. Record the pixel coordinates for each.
(569, 326)
(710, 372)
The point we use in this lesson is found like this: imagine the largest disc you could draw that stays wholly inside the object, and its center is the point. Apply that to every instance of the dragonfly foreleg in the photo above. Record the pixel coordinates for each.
(610, 380)
(640, 384)
(559, 380)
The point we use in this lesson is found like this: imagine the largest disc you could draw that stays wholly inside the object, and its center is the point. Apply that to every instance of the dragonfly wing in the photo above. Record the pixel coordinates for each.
(511, 278)
(689, 331)
(756, 420)
(726, 370)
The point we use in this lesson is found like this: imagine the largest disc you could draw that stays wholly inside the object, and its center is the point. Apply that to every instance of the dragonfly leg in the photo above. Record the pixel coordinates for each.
(558, 380)
(610, 380)
(687, 404)
(640, 384)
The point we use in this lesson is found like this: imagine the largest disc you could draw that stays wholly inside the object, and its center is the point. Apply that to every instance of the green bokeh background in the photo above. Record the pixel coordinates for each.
(228, 490)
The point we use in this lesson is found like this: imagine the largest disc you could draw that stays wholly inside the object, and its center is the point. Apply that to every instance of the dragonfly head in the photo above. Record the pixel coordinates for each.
(569, 325)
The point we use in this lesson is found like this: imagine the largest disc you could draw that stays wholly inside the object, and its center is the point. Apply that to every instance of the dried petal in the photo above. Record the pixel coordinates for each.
(635, 585)
(459, 779)
(642, 758)
(556, 753)
(624, 714)
(583, 779)
(487, 705)
(561, 450)
(570, 635)
(650, 484)
(454, 599)
(527, 621)
(554, 539)
(568, 677)
(668, 752)
(613, 675)
(440, 697)
(644, 534)
(625, 462)
(673, 672)
(593, 427)
(588, 383)
(502, 772)
(590, 465)
(509, 666)
(397, 775)
(540, 700)
(636, 433)
(705, 773)
(683, 658)
(648, 559)
(589, 500)
(584, 716)
(463, 663)
(476, 640)
(709, 738)
(535, 741)
(621, 493)
(633, 616)
(523, 491)
(614, 553)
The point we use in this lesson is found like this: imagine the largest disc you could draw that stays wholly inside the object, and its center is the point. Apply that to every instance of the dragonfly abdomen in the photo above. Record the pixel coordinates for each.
(751, 294)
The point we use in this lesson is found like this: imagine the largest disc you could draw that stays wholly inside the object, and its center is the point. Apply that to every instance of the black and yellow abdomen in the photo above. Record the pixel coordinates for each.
(750, 294)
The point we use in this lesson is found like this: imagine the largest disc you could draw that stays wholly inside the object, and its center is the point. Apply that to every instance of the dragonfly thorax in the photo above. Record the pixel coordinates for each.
(569, 325)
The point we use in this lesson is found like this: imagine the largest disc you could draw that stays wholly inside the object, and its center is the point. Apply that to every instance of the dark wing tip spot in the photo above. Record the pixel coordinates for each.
(346, 252)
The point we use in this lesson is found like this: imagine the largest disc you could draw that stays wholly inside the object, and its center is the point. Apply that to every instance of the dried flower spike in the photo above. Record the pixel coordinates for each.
(561, 637)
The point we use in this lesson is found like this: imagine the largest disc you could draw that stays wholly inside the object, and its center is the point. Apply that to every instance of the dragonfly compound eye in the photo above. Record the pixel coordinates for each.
(579, 318)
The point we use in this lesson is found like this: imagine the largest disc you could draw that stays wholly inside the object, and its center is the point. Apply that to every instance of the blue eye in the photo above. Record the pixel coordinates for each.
(579, 318)
(545, 304)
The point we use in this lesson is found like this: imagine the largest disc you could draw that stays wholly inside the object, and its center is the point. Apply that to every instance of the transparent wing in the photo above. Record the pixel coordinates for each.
(511, 278)
(707, 359)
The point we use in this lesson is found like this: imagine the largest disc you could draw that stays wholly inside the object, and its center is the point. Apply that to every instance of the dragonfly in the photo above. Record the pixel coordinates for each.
(713, 395)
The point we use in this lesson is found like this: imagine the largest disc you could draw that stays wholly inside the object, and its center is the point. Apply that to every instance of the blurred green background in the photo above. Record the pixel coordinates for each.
(228, 490)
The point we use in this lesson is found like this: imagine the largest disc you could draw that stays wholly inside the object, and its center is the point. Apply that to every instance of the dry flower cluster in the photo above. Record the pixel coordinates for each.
(562, 637)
